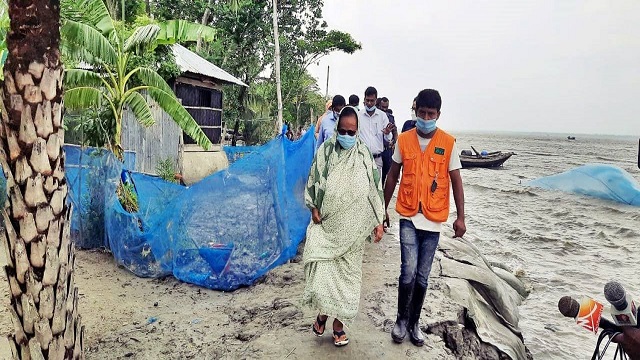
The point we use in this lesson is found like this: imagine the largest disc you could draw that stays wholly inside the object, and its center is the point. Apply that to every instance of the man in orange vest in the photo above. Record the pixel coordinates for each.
(430, 167)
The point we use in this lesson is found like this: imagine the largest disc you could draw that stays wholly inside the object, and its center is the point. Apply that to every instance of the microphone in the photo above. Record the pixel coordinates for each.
(587, 313)
(623, 308)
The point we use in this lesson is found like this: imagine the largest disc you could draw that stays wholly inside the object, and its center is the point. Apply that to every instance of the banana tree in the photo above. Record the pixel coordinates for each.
(89, 35)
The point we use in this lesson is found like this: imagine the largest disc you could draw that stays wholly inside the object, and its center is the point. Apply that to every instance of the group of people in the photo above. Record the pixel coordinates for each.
(291, 134)
(348, 205)
(378, 117)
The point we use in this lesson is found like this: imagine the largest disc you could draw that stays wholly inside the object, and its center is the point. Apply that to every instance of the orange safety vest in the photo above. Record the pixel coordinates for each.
(420, 169)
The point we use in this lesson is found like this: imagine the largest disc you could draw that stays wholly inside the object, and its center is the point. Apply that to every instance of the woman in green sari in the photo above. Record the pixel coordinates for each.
(346, 201)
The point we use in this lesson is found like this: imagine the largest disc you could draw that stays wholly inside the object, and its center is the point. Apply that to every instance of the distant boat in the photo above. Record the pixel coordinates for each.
(571, 137)
(484, 160)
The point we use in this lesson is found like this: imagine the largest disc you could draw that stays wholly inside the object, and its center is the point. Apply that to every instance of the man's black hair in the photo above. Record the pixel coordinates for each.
(354, 100)
(338, 100)
(371, 91)
(348, 111)
(429, 98)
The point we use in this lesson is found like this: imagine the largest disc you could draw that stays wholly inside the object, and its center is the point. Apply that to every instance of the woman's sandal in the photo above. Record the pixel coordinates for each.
(319, 326)
(340, 338)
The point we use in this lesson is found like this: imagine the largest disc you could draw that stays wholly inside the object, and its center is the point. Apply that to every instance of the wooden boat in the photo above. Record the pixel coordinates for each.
(490, 160)
(571, 137)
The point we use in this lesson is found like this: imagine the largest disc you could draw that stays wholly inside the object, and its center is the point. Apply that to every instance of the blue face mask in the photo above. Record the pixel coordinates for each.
(346, 141)
(425, 126)
(370, 109)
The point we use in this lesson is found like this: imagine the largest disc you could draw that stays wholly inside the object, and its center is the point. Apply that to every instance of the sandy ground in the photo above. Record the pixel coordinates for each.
(127, 317)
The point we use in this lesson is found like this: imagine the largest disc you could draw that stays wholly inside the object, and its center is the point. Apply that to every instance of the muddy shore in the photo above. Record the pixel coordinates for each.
(127, 317)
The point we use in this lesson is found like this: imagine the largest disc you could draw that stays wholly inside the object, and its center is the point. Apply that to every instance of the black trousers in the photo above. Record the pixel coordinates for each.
(386, 163)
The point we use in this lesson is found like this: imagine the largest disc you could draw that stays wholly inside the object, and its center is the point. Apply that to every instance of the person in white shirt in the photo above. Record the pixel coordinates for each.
(374, 126)
(429, 160)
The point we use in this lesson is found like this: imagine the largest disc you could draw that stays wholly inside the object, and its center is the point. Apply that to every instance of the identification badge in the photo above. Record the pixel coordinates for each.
(439, 151)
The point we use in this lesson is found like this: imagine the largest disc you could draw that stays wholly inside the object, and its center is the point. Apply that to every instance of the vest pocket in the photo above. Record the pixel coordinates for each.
(438, 199)
(406, 193)
(438, 167)
(409, 164)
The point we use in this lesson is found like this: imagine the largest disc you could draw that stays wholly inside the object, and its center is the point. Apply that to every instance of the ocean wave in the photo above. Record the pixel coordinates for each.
(603, 158)
(542, 154)
(520, 191)
(552, 234)
(627, 233)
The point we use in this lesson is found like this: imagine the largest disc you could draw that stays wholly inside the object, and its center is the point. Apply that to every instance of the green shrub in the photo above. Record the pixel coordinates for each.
(128, 197)
(166, 170)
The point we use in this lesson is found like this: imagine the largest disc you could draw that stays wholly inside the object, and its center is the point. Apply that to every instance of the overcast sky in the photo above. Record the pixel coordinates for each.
(535, 65)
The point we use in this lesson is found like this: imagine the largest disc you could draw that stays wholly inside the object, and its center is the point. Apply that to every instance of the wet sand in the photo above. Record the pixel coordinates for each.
(127, 317)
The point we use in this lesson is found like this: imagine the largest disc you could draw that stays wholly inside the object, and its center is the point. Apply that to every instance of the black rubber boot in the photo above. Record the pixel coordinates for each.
(399, 331)
(415, 334)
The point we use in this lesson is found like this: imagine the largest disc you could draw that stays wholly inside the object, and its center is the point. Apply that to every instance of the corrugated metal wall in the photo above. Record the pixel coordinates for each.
(152, 144)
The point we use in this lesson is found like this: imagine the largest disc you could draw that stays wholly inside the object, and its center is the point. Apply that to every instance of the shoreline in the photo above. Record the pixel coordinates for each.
(138, 318)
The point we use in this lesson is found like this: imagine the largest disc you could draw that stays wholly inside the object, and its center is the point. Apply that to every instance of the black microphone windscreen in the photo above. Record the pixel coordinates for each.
(615, 294)
(568, 306)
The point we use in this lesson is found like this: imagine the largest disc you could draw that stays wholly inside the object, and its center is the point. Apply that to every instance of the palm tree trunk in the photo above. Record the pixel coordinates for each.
(44, 298)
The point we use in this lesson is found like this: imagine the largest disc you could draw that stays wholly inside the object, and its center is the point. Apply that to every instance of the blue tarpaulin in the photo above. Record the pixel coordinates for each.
(223, 232)
(598, 180)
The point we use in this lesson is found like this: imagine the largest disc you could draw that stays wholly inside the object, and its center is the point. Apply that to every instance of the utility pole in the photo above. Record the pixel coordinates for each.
(277, 57)
(326, 94)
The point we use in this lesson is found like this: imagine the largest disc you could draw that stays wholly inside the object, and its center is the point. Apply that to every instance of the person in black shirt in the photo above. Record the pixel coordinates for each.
(383, 104)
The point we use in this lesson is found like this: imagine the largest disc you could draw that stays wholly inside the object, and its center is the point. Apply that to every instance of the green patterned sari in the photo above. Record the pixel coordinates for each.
(344, 185)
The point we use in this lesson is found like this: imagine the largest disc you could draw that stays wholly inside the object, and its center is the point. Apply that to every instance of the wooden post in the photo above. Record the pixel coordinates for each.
(326, 94)
(277, 64)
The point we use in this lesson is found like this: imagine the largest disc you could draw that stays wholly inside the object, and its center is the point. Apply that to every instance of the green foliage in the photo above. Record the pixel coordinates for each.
(4, 29)
(128, 197)
(114, 84)
(89, 12)
(173, 30)
(244, 47)
(172, 9)
(166, 170)
(91, 127)
(161, 60)
(132, 8)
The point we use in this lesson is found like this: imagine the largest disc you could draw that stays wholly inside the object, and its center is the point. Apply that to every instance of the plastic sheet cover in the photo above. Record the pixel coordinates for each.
(223, 232)
(598, 180)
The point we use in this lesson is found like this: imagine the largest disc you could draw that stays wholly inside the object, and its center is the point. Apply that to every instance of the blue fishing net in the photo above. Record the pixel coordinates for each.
(223, 232)
(598, 180)
(92, 176)
(235, 153)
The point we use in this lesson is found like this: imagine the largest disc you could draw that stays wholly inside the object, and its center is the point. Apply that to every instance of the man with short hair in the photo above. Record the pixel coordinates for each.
(354, 101)
(430, 169)
(383, 104)
(374, 126)
(328, 124)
